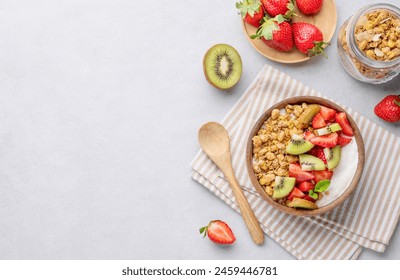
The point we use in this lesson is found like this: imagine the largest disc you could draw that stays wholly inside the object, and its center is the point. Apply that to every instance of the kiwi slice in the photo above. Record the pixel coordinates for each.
(329, 129)
(283, 186)
(303, 203)
(297, 145)
(333, 156)
(308, 114)
(222, 66)
(309, 163)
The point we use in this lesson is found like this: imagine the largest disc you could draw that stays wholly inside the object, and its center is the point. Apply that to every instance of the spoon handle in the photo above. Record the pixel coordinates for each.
(247, 213)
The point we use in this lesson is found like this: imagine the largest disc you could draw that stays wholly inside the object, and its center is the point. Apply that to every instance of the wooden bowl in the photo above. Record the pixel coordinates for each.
(325, 20)
(351, 178)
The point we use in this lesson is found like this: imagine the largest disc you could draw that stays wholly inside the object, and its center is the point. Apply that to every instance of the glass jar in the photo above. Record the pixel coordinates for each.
(365, 43)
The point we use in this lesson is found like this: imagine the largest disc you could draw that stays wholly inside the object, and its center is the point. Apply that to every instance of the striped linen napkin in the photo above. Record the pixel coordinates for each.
(367, 219)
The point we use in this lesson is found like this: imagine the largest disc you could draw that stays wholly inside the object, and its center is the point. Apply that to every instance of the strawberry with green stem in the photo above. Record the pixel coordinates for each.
(276, 33)
(251, 11)
(279, 7)
(308, 38)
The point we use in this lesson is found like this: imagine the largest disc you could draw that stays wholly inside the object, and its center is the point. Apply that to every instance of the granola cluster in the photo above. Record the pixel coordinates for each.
(269, 145)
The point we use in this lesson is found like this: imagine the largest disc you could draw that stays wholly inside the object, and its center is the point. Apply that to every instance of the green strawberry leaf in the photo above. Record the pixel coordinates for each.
(203, 229)
(397, 102)
(318, 49)
(248, 7)
(290, 13)
(322, 186)
(312, 194)
(268, 26)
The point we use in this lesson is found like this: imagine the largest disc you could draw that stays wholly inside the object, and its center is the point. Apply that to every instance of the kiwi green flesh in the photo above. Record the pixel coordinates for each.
(308, 114)
(297, 145)
(332, 156)
(309, 163)
(222, 66)
(303, 203)
(329, 129)
(283, 186)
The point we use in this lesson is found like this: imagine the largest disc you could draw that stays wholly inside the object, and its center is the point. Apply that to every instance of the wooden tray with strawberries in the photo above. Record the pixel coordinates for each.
(325, 20)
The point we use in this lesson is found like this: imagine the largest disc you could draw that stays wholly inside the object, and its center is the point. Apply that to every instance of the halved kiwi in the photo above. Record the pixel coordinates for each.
(328, 129)
(302, 203)
(332, 156)
(222, 66)
(283, 186)
(297, 145)
(309, 163)
(308, 114)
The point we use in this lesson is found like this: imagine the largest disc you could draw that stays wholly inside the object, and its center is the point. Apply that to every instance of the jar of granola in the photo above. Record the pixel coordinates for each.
(369, 43)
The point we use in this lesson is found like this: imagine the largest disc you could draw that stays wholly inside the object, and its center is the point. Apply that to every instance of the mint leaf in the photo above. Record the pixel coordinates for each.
(312, 194)
(322, 186)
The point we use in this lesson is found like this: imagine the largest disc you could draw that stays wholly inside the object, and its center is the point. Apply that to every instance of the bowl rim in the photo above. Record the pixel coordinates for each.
(354, 181)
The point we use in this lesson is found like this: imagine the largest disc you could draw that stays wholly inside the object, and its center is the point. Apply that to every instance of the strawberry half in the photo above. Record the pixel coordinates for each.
(318, 152)
(309, 7)
(308, 38)
(300, 175)
(305, 186)
(295, 193)
(218, 232)
(318, 121)
(327, 113)
(341, 119)
(326, 141)
(251, 11)
(322, 175)
(343, 141)
(276, 33)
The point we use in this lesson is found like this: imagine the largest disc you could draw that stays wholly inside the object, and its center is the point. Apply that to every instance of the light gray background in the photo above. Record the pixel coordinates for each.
(100, 103)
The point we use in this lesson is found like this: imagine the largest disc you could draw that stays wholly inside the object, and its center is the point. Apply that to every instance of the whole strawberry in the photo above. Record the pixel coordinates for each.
(251, 11)
(276, 33)
(309, 7)
(389, 108)
(308, 38)
(279, 7)
(218, 232)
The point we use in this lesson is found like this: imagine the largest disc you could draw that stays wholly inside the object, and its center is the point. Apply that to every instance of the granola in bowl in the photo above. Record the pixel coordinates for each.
(295, 148)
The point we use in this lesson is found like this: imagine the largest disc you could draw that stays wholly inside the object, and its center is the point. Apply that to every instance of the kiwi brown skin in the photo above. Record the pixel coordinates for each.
(207, 74)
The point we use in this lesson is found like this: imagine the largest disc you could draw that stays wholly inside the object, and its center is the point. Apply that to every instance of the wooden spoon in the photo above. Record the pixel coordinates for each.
(215, 142)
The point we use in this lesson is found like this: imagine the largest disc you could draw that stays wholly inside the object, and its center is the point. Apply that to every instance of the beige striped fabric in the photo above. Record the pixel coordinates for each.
(367, 219)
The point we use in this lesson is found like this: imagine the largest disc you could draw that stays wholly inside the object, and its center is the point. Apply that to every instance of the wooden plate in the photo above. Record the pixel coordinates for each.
(346, 189)
(325, 20)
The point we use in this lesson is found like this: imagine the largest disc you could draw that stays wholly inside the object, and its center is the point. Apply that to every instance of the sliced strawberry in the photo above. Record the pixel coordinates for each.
(327, 114)
(341, 119)
(343, 141)
(305, 186)
(322, 175)
(318, 121)
(309, 198)
(300, 175)
(219, 232)
(326, 141)
(295, 193)
(318, 152)
(308, 135)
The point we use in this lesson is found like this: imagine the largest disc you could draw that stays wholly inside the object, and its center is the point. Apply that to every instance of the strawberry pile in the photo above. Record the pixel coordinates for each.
(273, 18)
(330, 131)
